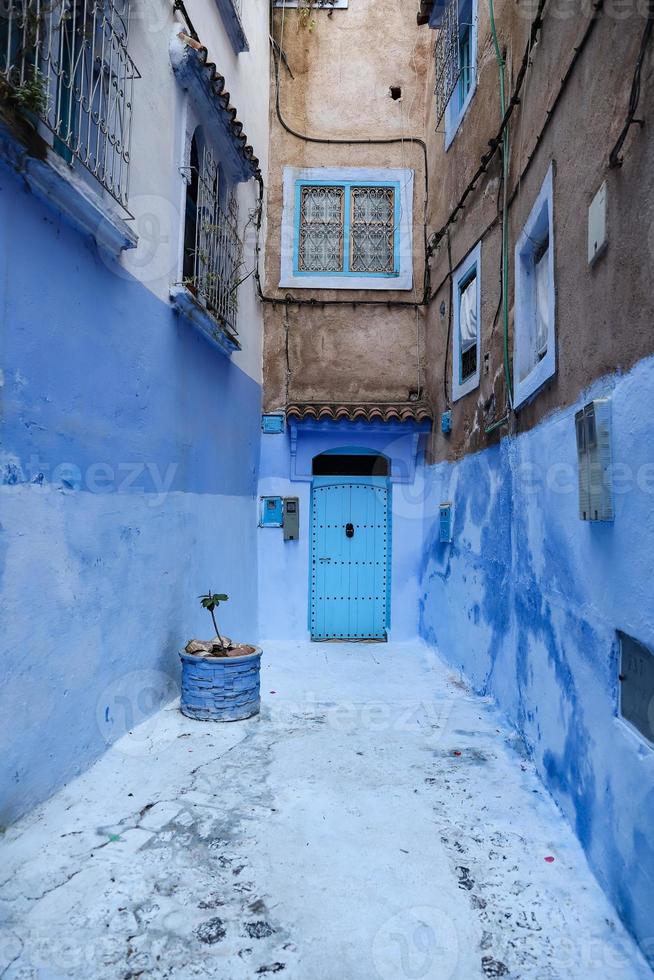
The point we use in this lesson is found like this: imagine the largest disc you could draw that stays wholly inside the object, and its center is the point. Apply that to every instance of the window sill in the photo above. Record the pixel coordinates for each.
(462, 388)
(218, 334)
(401, 281)
(320, 5)
(452, 126)
(233, 25)
(527, 389)
(61, 188)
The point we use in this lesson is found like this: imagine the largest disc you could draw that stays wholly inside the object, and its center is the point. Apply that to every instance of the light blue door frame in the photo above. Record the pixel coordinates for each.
(350, 579)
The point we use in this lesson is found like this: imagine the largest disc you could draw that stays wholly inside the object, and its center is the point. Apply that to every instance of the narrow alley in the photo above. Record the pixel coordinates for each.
(396, 832)
(326, 489)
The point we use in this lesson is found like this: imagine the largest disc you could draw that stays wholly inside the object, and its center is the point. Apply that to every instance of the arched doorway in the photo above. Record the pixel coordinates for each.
(350, 572)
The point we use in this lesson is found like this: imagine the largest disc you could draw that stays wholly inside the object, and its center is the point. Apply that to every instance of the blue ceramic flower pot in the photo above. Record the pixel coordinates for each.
(220, 688)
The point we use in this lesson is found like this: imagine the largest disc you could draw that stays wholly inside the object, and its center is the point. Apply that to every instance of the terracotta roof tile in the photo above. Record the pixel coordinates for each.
(217, 83)
(381, 412)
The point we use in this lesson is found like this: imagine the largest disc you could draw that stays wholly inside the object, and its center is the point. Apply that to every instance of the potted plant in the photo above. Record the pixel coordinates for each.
(220, 679)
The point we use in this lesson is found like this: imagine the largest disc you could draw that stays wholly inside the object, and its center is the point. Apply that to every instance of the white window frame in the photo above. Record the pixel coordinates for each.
(461, 273)
(540, 220)
(401, 280)
(453, 114)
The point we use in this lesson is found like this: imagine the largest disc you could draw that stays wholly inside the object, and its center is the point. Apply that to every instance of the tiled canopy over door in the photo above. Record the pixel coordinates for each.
(350, 545)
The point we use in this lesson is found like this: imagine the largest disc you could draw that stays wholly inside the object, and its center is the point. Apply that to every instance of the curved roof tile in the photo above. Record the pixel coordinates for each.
(216, 82)
(379, 412)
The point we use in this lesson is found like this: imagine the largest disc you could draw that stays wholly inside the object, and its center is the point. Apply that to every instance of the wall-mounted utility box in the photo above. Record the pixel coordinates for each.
(272, 512)
(636, 702)
(595, 460)
(597, 234)
(445, 519)
(272, 425)
(291, 518)
(446, 423)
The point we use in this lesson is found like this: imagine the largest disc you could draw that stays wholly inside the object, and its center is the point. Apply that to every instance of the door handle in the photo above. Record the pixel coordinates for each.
(349, 530)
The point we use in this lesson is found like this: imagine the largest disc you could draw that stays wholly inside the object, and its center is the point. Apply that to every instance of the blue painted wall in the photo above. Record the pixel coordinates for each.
(128, 470)
(526, 602)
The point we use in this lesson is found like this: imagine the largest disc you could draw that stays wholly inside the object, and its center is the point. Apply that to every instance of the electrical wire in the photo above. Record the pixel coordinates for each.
(332, 141)
(505, 210)
(496, 142)
(615, 156)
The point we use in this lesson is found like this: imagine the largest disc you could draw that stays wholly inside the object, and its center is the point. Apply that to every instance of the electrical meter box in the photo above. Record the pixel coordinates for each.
(595, 459)
(291, 518)
(637, 686)
(445, 517)
(272, 512)
(272, 424)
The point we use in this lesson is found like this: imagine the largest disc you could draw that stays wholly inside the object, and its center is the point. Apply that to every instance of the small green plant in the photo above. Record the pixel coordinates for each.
(305, 15)
(32, 94)
(211, 601)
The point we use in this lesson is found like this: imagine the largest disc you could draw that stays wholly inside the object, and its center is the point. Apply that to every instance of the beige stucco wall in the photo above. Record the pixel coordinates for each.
(603, 313)
(342, 72)
(343, 69)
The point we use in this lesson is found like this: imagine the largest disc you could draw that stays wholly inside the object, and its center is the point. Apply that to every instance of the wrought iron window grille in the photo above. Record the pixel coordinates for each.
(347, 229)
(447, 57)
(321, 229)
(218, 253)
(66, 64)
(373, 229)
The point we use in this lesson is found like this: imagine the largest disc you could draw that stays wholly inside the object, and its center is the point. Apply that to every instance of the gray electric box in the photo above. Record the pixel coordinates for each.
(637, 686)
(291, 518)
(594, 456)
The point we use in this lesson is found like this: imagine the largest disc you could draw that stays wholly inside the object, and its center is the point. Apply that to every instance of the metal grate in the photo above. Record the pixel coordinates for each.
(373, 229)
(218, 248)
(65, 62)
(447, 55)
(321, 229)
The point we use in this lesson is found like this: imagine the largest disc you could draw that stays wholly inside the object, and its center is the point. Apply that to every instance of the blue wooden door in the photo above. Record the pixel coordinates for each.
(350, 552)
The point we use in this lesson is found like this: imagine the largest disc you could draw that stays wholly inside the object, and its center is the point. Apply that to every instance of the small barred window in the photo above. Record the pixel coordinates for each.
(321, 229)
(373, 229)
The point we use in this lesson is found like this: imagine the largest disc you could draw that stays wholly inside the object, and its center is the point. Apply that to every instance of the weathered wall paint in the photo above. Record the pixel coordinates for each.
(340, 89)
(603, 312)
(284, 565)
(127, 487)
(526, 601)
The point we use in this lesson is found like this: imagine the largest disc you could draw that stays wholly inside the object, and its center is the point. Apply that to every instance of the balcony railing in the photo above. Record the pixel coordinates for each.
(65, 62)
(218, 250)
(447, 55)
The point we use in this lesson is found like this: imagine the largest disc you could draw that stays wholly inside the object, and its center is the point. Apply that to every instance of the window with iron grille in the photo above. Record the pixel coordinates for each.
(321, 229)
(455, 53)
(373, 229)
(65, 63)
(348, 228)
(213, 251)
(467, 334)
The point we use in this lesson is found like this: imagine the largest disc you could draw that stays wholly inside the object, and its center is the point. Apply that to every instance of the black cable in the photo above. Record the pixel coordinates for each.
(322, 140)
(449, 320)
(179, 5)
(615, 157)
(578, 50)
(494, 143)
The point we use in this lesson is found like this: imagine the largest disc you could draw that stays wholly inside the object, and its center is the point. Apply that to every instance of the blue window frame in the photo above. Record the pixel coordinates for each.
(466, 297)
(467, 83)
(345, 227)
(534, 354)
